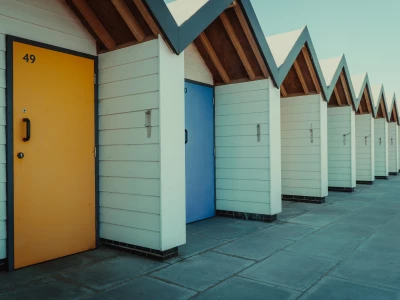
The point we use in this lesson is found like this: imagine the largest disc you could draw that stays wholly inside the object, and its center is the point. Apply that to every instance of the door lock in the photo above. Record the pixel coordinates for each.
(20, 155)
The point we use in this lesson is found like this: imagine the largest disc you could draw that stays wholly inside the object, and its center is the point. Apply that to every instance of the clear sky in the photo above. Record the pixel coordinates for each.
(366, 31)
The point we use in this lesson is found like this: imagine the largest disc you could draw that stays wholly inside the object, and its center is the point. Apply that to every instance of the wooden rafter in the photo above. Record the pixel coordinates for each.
(382, 105)
(394, 113)
(311, 68)
(251, 40)
(367, 99)
(236, 43)
(129, 19)
(360, 109)
(301, 77)
(214, 58)
(283, 91)
(233, 4)
(345, 88)
(147, 17)
(95, 24)
(339, 101)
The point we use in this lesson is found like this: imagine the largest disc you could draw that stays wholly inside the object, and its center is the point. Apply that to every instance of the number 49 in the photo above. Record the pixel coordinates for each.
(31, 58)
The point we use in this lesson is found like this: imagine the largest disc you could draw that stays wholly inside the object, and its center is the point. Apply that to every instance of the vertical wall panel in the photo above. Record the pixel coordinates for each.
(381, 148)
(365, 148)
(341, 147)
(241, 157)
(172, 145)
(304, 146)
(393, 148)
(50, 22)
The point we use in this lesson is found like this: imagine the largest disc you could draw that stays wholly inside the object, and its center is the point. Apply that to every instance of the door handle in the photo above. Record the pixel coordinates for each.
(186, 136)
(28, 129)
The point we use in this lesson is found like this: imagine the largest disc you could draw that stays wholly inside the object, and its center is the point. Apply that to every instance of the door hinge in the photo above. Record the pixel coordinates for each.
(95, 152)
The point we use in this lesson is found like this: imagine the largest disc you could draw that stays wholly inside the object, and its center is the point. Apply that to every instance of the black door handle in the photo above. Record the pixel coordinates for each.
(28, 129)
(186, 136)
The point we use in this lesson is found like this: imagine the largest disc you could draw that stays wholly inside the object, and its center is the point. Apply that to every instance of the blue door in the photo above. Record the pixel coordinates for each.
(200, 171)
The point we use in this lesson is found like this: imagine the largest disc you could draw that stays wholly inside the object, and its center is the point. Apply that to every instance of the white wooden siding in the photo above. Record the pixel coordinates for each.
(195, 67)
(129, 160)
(393, 148)
(243, 165)
(341, 147)
(304, 162)
(365, 148)
(381, 148)
(50, 22)
(140, 202)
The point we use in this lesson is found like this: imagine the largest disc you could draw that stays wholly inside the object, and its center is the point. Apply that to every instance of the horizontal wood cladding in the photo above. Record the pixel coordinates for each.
(365, 148)
(393, 147)
(341, 135)
(381, 148)
(242, 161)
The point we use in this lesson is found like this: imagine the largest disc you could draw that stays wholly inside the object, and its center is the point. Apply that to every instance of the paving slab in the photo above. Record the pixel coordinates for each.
(349, 230)
(230, 231)
(111, 272)
(196, 244)
(370, 268)
(202, 271)
(334, 247)
(374, 210)
(145, 288)
(254, 247)
(391, 228)
(337, 289)
(237, 288)
(314, 219)
(288, 269)
(382, 244)
(365, 219)
(351, 204)
(51, 290)
(287, 231)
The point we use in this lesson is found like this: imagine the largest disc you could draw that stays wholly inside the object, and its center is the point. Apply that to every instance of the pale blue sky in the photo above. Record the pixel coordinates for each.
(366, 31)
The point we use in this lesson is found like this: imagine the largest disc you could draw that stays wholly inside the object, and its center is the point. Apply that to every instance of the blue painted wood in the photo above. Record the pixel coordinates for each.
(200, 170)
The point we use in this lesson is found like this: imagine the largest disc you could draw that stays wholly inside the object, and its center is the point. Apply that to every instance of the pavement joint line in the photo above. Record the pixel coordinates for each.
(171, 282)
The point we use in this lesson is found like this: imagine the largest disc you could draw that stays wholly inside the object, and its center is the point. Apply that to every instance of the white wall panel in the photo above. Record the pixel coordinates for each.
(195, 67)
(365, 148)
(341, 135)
(244, 163)
(381, 148)
(304, 158)
(393, 147)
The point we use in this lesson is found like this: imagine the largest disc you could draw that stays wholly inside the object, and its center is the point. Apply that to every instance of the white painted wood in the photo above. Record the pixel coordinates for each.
(195, 67)
(50, 22)
(365, 152)
(398, 139)
(172, 145)
(137, 203)
(381, 148)
(304, 159)
(130, 173)
(393, 148)
(341, 135)
(243, 164)
(145, 238)
(132, 219)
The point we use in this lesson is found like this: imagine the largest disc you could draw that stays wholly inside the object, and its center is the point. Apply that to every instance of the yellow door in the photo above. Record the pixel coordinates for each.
(54, 181)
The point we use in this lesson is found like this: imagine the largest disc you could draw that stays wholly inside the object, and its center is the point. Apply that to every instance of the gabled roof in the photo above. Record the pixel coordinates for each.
(392, 102)
(378, 96)
(285, 49)
(360, 84)
(332, 69)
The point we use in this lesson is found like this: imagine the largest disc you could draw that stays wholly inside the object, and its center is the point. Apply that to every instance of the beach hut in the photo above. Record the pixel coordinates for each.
(303, 117)
(341, 125)
(393, 135)
(232, 112)
(365, 143)
(381, 132)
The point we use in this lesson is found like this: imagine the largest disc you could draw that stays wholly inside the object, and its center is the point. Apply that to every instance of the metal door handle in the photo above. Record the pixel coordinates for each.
(186, 136)
(28, 129)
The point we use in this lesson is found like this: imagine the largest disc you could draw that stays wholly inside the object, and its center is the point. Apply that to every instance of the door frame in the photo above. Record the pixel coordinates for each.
(10, 141)
(215, 147)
